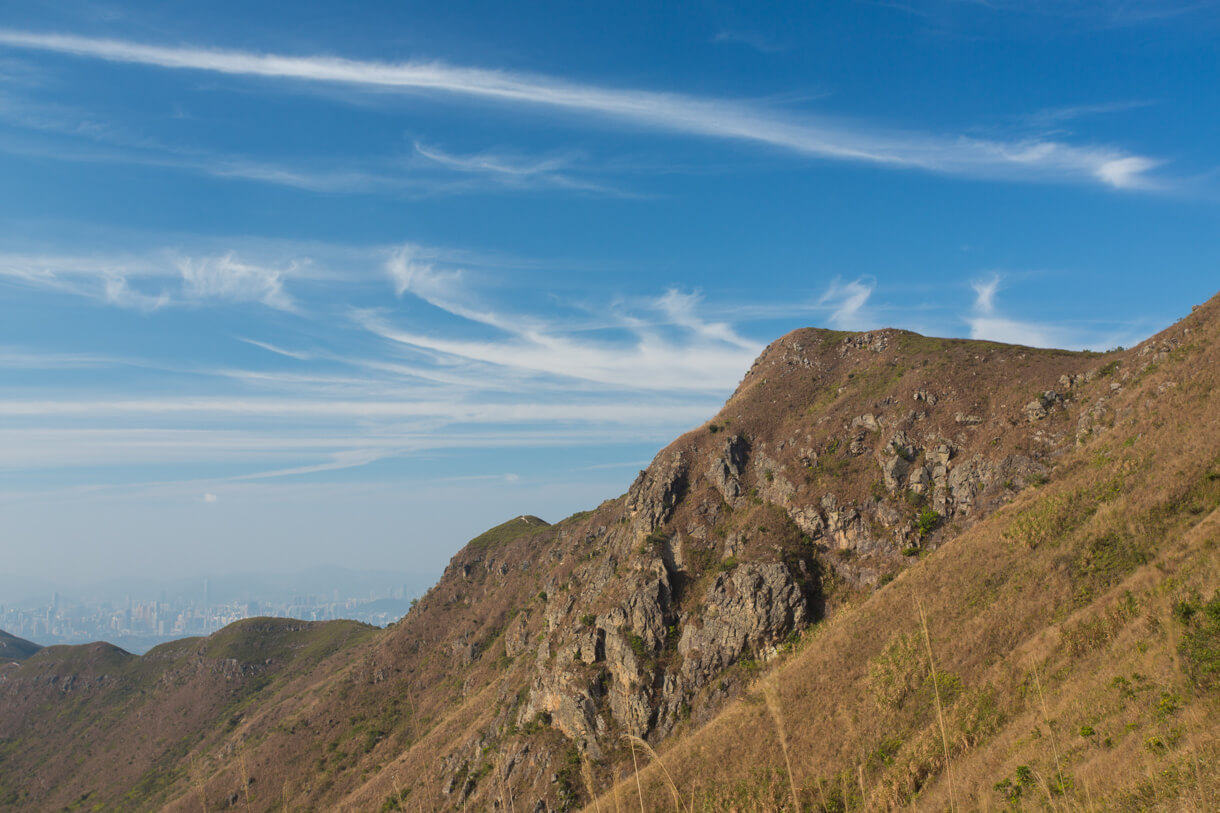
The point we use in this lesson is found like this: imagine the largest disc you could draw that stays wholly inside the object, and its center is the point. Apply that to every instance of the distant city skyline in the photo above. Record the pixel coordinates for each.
(290, 285)
(140, 621)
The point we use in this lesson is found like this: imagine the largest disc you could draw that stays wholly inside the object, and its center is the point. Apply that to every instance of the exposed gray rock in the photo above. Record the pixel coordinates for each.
(868, 422)
(726, 470)
(895, 472)
(516, 636)
(746, 610)
(653, 495)
(1034, 411)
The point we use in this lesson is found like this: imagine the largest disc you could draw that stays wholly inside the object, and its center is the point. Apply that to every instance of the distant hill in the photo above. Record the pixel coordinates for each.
(763, 607)
(13, 648)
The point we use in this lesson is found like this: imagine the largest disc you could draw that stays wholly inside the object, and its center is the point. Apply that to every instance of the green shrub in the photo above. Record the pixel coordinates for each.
(1200, 644)
(927, 522)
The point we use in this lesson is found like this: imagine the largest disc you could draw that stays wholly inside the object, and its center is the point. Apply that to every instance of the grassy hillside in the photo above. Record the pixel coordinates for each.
(14, 649)
(1075, 634)
(763, 607)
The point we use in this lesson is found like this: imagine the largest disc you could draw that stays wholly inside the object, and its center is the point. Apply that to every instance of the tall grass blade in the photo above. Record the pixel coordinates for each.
(940, 712)
(777, 717)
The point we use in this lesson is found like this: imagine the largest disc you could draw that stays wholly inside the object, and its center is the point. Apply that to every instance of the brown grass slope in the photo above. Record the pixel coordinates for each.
(1075, 635)
(861, 474)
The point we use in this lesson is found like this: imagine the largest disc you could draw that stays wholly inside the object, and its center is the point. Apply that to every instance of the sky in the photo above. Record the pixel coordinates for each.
(288, 285)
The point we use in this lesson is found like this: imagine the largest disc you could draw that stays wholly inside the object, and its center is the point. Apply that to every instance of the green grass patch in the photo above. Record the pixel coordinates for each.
(515, 528)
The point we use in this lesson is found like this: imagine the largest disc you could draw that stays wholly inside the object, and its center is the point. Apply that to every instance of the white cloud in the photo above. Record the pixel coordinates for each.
(409, 271)
(1012, 331)
(279, 351)
(847, 302)
(508, 170)
(225, 277)
(109, 279)
(453, 411)
(210, 497)
(709, 117)
(650, 362)
(985, 292)
(986, 324)
(680, 308)
(491, 162)
(1129, 172)
(118, 293)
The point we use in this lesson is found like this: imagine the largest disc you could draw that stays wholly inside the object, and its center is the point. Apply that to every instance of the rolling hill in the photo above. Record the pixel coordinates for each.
(13, 648)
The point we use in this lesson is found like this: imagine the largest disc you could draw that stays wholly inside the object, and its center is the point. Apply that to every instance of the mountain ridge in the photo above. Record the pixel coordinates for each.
(14, 649)
(843, 464)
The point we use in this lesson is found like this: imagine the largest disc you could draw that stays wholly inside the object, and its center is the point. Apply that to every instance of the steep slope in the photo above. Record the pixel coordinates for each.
(1075, 635)
(782, 544)
(14, 649)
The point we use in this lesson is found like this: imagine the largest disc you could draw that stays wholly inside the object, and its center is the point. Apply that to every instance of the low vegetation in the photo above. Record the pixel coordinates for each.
(1049, 641)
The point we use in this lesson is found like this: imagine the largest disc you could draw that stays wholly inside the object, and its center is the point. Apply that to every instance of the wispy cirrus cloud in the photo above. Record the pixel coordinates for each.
(705, 357)
(144, 282)
(988, 322)
(226, 277)
(513, 170)
(823, 138)
(1102, 13)
(427, 171)
(847, 301)
(1054, 116)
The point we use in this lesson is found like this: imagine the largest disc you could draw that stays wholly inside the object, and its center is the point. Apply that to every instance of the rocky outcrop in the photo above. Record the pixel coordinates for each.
(727, 469)
(656, 491)
(715, 555)
(745, 611)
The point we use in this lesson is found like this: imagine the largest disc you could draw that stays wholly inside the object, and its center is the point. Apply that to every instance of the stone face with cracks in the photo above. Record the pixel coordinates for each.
(745, 611)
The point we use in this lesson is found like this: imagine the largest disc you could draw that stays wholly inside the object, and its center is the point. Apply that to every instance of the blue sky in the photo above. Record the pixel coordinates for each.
(287, 284)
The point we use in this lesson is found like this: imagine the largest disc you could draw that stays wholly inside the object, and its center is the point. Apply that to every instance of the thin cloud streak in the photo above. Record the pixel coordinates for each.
(455, 412)
(709, 117)
(847, 302)
(710, 358)
(201, 279)
(987, 323)
(84, 449)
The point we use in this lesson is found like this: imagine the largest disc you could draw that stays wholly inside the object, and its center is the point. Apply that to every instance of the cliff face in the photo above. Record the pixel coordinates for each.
(841, 461)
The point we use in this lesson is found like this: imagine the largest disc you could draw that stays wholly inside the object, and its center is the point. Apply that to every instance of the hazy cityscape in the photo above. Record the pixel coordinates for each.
(141, 620)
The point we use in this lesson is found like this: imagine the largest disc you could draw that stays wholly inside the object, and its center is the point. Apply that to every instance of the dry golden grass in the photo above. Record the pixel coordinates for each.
(777, 716)
(940, 711)
(1060, 655)
(656, 760)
